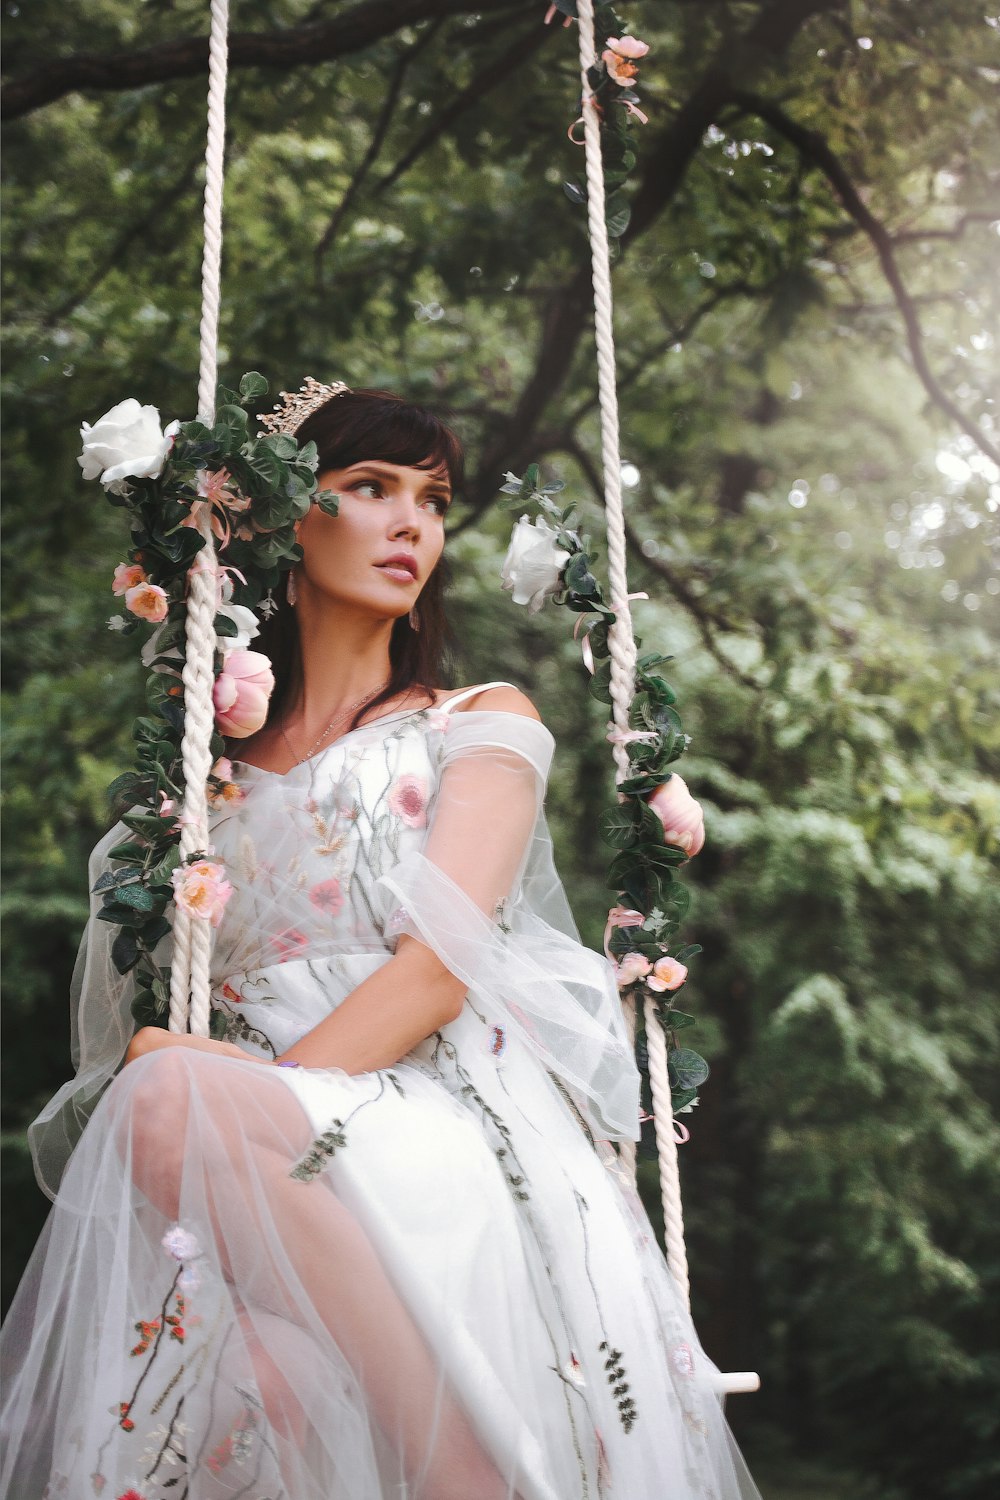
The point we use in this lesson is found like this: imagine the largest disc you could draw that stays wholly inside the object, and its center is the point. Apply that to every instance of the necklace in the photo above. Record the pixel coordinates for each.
(343, 713)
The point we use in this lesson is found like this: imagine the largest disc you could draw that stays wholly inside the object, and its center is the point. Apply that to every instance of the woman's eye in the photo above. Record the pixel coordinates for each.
(371, 484)
(440, 504)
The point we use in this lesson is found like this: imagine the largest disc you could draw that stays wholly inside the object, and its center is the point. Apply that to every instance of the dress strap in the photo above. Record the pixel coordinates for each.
(471, 692)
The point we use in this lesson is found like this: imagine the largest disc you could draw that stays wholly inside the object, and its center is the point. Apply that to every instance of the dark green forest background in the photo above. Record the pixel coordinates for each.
(806, 316)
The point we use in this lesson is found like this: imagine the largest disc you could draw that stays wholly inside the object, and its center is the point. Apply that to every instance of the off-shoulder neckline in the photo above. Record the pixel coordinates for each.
(410, 713)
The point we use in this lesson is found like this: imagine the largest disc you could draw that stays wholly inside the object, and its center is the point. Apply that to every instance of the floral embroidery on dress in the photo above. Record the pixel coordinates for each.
(291, 943)
(328, 896)
(619, 1385)
(408, 800)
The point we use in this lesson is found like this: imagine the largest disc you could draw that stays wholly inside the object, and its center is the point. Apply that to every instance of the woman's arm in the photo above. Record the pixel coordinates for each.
(484, 817)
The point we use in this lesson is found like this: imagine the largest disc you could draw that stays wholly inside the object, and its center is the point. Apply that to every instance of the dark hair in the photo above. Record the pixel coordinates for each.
(348, 429)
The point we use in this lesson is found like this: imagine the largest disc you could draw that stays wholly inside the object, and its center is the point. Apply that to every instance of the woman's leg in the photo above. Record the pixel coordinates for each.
(292, 1248)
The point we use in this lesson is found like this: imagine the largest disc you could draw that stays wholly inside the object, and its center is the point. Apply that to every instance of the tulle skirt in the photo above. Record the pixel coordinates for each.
(418, 1282)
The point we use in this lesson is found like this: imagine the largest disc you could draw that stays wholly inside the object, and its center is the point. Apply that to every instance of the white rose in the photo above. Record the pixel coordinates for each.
(533, 563)
(246, 627)
(126, 443)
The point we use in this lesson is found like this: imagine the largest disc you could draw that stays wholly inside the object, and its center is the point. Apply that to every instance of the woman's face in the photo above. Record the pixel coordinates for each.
(384, 544)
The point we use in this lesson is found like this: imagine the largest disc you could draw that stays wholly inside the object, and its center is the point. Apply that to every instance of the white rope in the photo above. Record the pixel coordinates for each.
(621, 641)
(189, 973)
(666, 1150)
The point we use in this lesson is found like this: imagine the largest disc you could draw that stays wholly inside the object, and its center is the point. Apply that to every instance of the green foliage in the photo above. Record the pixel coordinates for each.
(817, 537)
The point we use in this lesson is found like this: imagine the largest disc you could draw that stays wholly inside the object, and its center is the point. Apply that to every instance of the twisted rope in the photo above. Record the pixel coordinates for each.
(189, 973)
(621, 642)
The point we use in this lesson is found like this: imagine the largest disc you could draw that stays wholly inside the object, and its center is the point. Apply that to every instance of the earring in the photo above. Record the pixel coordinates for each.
(414, 620)
(291, 592)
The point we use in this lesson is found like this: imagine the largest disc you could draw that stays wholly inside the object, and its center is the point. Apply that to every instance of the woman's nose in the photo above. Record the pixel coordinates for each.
(406, 520)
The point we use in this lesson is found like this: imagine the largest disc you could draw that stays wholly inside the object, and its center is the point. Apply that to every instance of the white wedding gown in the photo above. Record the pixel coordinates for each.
(430, 1280)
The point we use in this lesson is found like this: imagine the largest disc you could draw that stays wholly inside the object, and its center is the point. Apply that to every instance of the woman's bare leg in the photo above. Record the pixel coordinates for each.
(257, 1131)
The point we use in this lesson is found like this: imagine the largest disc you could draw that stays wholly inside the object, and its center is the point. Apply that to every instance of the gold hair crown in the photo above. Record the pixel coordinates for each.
(293, 408)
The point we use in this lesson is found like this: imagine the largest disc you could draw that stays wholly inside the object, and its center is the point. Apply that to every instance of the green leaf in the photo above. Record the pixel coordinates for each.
(600, 682)
(618, 827)
(253, 386)
(125, 952)
(687, 1069)
(678, 1019)
(136, 896)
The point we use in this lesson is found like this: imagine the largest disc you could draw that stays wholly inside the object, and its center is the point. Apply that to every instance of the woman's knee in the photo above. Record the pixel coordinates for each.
(155, 1088)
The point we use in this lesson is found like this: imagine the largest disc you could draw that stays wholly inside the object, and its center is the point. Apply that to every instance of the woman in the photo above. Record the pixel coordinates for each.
(374, 1243)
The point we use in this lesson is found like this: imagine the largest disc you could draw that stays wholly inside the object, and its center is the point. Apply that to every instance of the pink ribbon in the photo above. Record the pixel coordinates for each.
(620, 916)
(552, 11)
(680, 1132)
(585, 646)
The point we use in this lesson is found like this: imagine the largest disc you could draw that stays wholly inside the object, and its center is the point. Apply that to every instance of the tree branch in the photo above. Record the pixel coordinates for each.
(815, 148)
(956, 232)
(374, 145)
(706, 621)
(317, 41)
(568, 313)
(482, 84)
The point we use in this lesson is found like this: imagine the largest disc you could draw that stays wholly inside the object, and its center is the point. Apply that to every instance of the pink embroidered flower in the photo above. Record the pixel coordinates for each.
(619, 58)
(130, 1494)
(667, 974)
(98, 1482)
(328, 897)
(233, 996)
(127, 576)
(241, 693)
(408, 800)
(682, 818)
(148, 601)
(573, 1370)
(201, 889)
(683, 1359)
(289, 944)
(631, 966)
(180, 1243)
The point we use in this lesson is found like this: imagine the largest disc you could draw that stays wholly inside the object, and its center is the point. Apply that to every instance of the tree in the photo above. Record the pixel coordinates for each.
(804, 293)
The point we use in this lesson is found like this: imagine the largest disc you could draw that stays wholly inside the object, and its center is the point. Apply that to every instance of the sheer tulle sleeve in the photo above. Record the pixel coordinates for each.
(101, 1027)
(484, 895)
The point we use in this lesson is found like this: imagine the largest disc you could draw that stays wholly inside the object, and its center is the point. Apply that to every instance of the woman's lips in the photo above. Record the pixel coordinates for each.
(397, 571)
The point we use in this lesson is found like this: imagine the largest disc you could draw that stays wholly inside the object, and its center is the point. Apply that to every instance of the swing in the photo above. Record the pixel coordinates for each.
(189, 979)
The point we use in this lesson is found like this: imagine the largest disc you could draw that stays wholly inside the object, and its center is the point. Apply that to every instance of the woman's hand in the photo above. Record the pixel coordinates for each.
(151, 1038)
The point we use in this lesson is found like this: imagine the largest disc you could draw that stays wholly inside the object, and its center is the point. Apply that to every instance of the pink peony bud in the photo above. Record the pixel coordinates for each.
(631, 967)
(241, 693)
(148, 601)
(223, 768)
(202, 889)
(127, 576)
(682, 818)
(667, 974)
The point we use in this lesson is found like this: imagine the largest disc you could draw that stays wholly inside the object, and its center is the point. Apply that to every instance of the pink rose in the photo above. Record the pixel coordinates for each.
(148, 601)
(127, 576)
(241, 693)
(202, 890)
(619, 58)
(631, 966)
(682, 818)
(408, 800)
(328, 896)
(667, 974)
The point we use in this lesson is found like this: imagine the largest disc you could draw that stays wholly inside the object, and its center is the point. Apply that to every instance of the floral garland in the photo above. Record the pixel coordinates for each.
(253, 490)
(657, 825)
(610, 80)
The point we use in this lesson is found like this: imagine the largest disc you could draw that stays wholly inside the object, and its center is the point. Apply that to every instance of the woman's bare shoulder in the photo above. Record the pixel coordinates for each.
(505, 700)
